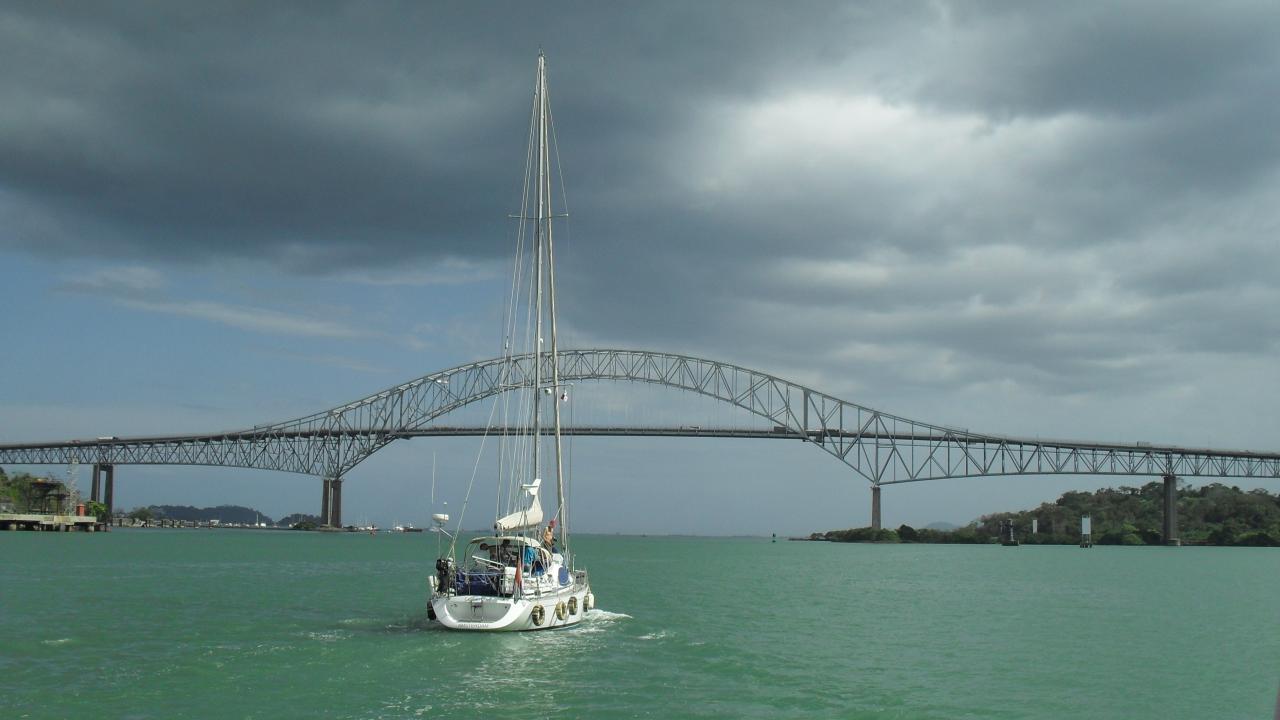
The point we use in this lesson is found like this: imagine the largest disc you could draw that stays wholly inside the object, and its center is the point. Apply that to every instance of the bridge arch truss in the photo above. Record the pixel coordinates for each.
(882, 448)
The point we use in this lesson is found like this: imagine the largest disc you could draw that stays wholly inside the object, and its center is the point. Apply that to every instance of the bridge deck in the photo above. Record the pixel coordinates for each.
(777, 433)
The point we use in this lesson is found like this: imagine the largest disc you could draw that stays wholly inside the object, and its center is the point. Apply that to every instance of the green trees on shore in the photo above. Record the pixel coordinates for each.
(1213, 514)
(143, 514)
(222, 513)
(300, 521)
(23, 492)
(14, 490)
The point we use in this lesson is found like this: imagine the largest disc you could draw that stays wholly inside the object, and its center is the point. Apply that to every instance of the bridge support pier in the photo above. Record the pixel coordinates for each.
(331, 503)
(324, 502)
(1171, 510)
(103, 486)
(335, 511)
(109, 494)
(875, 507)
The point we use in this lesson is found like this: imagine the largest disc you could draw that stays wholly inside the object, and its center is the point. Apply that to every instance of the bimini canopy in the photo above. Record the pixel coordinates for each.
(527, 518)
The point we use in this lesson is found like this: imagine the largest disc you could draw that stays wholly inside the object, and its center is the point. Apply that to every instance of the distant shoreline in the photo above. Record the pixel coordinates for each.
(1213, 515)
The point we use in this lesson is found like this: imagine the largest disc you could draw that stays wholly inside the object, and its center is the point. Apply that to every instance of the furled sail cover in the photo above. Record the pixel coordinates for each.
(523, 519)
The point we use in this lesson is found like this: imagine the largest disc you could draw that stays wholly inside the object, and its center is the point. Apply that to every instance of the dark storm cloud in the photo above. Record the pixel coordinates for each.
(1126, 59)
(360, 131)
(175, 133)
(745, 180)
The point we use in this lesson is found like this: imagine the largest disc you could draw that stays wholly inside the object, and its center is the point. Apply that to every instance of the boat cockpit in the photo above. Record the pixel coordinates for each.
(490, 565)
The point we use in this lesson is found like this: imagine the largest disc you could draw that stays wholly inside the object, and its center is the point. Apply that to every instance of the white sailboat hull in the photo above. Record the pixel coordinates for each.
(545, 611)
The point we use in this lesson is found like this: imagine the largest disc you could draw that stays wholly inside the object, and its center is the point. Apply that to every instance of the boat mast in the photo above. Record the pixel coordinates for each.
(539, 237)
(562, 510)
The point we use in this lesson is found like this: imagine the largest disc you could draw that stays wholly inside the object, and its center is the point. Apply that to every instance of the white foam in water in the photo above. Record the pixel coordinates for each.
(331, 636)
(59, 641)
(598, 614)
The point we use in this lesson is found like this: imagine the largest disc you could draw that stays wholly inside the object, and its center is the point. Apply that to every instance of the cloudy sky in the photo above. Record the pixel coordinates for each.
(1046, 219)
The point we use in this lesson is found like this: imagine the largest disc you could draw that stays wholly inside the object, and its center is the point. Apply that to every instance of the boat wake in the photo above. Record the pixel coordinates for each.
(329, 636)
(599, 615)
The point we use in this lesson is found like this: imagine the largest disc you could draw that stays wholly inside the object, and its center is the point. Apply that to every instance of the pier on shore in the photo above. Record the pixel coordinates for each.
(53, 523)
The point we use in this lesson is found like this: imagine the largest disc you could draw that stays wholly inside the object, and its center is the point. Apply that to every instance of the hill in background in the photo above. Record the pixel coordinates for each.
(229, 514)
(1213, 514)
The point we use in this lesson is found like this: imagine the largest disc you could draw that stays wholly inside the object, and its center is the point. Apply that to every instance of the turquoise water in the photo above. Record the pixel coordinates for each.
(255, 624)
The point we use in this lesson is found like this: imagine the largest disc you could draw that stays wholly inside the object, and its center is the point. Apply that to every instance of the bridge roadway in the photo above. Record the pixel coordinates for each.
(1094, 458)
(882, 448)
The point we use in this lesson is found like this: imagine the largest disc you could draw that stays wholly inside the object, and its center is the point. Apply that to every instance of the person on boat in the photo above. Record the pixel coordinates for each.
(549, 537)
(444, 573)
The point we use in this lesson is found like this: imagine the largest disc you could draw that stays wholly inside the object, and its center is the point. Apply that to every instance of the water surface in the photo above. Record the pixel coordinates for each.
(256, 624)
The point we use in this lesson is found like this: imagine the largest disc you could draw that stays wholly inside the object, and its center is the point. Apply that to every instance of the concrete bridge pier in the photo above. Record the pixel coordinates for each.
(331, 503)
(324, 503)
(335, 509)
(109, 490)
(103, 487)
(875, 507)
(1171, 510)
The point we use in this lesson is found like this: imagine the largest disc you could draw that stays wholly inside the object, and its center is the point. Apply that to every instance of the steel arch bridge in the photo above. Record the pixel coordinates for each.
(882, 448)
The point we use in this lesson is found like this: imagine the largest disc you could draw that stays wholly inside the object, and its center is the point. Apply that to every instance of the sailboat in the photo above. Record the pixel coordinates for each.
(522, 575)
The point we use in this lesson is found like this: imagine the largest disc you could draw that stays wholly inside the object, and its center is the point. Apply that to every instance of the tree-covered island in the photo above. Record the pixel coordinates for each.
(1212, 514)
